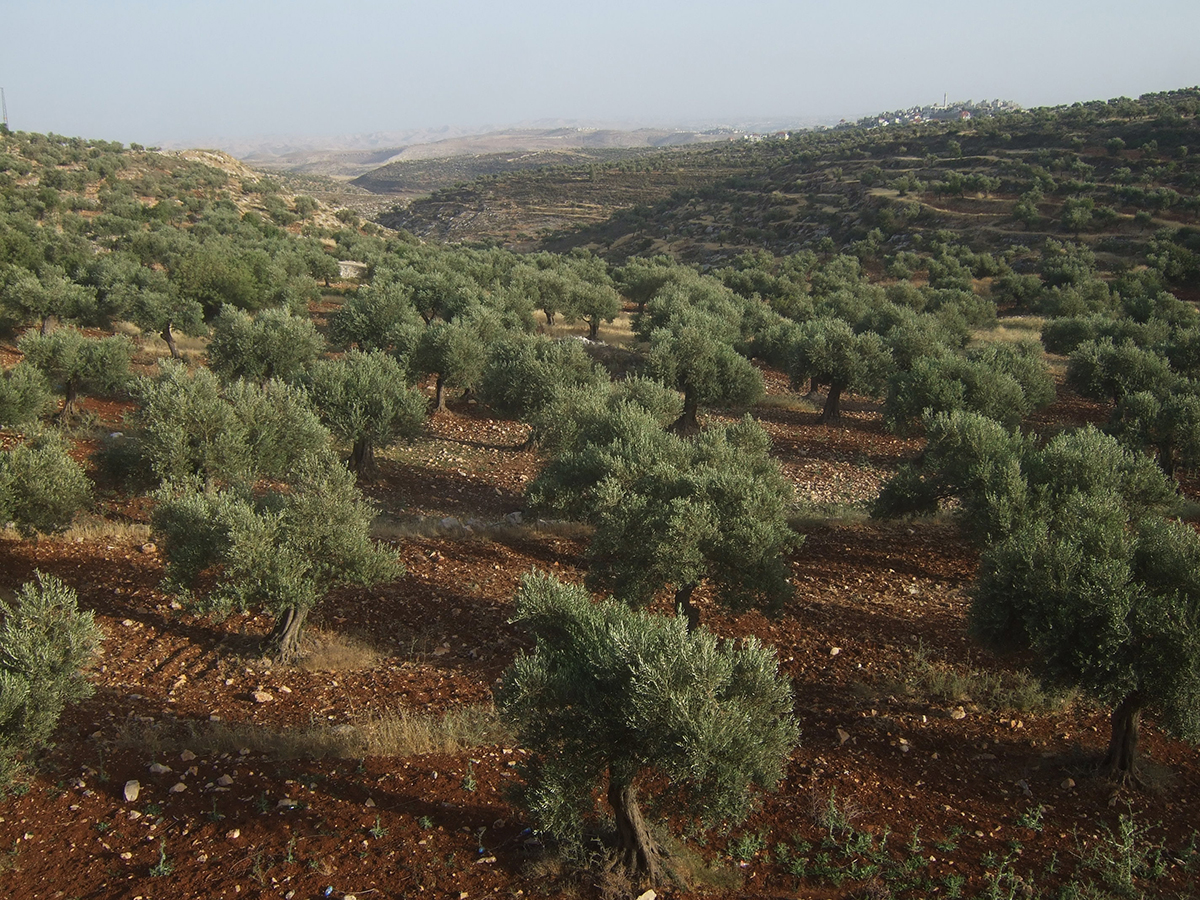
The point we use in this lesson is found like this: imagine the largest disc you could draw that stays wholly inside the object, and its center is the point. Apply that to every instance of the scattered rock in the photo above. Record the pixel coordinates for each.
(958, 713)
(284, 689)
(1068, 783)
(834, 651)
(843, 736)
(233, 834)
(132, 789)
(134, 815)
(649, 895)
(514, 518)
(149, 547)
(159, 769)
(178, 788)
(262, 696)
(187, 756)
(126, 855)
(370, 804)
(225, 781)
(287, 803)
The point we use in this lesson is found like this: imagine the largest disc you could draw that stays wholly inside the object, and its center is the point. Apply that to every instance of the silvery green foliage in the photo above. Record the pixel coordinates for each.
(610, 694)
(41, 486)
(24, 396)
(46, 641)
(192, 427)
(673, 511)
(272, 344)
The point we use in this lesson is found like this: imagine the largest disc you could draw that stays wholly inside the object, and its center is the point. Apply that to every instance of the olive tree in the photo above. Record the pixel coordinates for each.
(41, 486)
(365, 399)
(674, 512)
(78, 364)
(828, 351)
(192, 428)
(612, 696)
(1079, 565)
(24, 395)
(272, 344)
(46, 644)
(281, 551)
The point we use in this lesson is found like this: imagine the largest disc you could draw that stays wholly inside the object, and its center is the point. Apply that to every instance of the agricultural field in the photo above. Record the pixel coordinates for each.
(302, 513)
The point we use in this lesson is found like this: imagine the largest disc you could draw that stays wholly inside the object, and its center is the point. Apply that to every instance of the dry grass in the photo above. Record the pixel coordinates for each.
(618, 333)
(191, 348)
(328, 651)
(390, 734)
(1011, 330)
(88, 529)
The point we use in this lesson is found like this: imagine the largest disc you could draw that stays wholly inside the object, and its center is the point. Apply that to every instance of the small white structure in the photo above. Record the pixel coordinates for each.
(348, 268)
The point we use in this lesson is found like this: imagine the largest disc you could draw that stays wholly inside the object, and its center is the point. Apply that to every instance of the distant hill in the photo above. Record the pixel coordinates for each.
(1109, 174)
(364, 160)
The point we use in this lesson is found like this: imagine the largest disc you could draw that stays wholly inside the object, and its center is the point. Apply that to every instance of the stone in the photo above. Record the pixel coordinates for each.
(134, 815)
(159, 769)
(843, 736)
(649, 895)
(126, 855)
(187, 756)
(262, 696)
(233, 834)
(149, 547)
(834, 651)
(370, 804)
(132, 789)
(514, 518)
(1068, 783)
(958, 713)
(225, 781)
(178, 788)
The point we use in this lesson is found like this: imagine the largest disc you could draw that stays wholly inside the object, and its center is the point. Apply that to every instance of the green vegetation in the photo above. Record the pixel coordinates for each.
(611, 695)
(45, 643)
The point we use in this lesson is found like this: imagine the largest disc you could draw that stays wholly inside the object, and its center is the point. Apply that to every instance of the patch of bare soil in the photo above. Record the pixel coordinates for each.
(920, 765)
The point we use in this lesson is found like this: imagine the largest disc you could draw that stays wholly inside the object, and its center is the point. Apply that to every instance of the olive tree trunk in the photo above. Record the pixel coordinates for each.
(833, 402)
(636, 851)
(169, 336)
(283, 643)
(685, 607)
(1121, 761)
(688, 424)
(362, 458)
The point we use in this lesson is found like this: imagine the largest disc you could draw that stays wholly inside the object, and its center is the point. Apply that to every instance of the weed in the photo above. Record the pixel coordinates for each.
(164, 866)
(833, 818)
(425, 822)
(263, 802)
(949, 843)
(1123, 856)
(468, 783)
(914, 842)
(1001, 881)
(154, 810)
(377, 830)
(291, 851)
(748, 846)
(19, 788)
(954, 886)
(1032, 818)
(215, 815)
(103, 826)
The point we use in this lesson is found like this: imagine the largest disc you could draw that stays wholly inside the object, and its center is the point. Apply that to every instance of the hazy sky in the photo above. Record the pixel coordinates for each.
(178, 70)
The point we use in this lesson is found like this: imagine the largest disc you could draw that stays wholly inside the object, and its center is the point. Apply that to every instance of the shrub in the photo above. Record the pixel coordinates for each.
(45, 643)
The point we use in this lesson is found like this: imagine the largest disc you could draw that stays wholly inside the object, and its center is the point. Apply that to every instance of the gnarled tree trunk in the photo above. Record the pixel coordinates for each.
(362, 458)
(685, 607)
(636, 850)
(1120, 763)
(283, 643)
(688, 424)
(169, 337)
(833, 402)
(439, 399)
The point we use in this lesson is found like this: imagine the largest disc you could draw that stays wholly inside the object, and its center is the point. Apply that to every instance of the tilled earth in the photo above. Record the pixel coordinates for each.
(925, 767)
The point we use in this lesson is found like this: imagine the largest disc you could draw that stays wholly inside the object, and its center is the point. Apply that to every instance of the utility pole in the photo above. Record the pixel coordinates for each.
(4, 106)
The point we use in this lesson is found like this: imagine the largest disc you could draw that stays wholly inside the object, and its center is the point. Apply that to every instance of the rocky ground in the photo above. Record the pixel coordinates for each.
(926, 768)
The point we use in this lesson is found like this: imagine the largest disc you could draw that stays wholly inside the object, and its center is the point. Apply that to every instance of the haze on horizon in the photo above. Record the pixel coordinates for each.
(192, 70)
